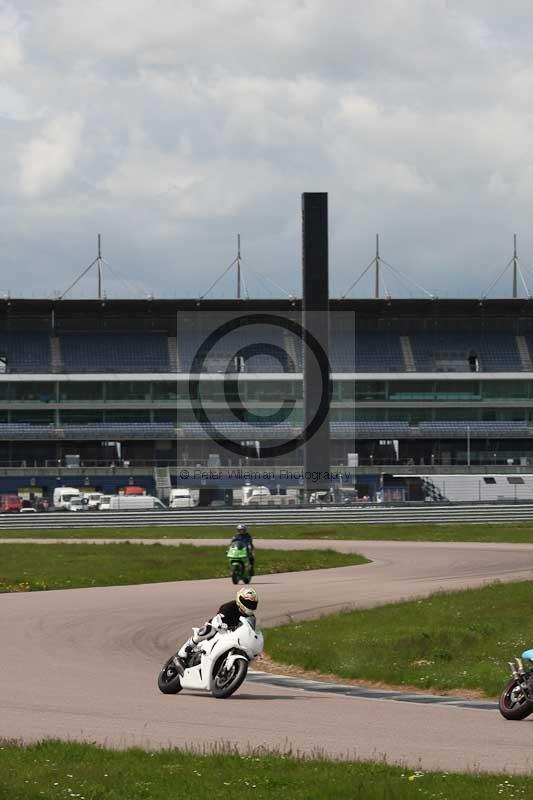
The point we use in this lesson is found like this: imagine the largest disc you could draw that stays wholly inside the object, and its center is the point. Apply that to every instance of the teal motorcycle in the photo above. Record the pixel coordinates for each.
(239, 562)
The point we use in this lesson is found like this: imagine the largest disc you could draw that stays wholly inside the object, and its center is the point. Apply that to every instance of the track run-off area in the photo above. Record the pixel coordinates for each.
(81, 664)
(480, 513)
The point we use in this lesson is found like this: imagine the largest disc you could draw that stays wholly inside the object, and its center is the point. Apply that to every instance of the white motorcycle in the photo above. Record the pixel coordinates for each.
(218, 665)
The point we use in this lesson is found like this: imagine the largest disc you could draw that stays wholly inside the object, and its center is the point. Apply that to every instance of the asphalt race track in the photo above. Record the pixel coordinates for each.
(82, 664)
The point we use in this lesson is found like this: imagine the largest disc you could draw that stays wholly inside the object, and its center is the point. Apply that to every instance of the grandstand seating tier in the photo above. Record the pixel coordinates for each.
(114, 352)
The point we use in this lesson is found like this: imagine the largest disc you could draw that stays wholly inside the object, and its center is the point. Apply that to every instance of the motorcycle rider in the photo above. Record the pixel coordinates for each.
(242, 538)
(227, 618)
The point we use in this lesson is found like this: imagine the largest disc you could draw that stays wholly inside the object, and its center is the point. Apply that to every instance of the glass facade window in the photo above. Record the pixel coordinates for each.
(342, 415)
(369, 414)
(504, 414)
(80, 416)
(416, 415)
(364, 390)
(132, 391)
(169, 391)
(399, 414)
(32, 417)
(128, 415)
(506, 390)
(411, 390)
(81, 392)
(456, 414)
(165, 415)
(31, 392)
(457, 390)
(209, 391)
(271, 391)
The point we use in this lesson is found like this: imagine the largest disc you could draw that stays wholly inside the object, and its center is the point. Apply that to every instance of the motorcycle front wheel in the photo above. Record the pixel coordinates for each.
(169, 679)
(227, 681)
(512, 703)
(236, 572)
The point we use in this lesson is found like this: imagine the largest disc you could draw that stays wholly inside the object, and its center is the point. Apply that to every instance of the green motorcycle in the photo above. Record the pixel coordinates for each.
(241, 569)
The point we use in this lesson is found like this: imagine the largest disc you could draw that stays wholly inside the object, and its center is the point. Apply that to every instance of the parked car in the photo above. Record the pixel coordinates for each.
(76, 504)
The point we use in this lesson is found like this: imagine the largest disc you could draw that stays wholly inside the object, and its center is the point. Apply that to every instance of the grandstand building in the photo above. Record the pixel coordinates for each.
(416, 384)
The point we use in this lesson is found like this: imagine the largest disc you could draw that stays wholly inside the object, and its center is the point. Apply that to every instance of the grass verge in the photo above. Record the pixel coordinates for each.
(519, 532)
(36, 567)
(51, 770)
(459, 640)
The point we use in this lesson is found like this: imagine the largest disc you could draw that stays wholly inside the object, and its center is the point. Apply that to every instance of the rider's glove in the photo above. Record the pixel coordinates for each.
(218, 623)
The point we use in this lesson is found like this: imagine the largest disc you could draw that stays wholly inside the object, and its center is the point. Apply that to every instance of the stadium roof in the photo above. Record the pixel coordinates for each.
(149, 313)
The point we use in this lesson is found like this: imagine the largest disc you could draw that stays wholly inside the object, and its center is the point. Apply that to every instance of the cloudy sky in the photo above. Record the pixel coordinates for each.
(169, 126)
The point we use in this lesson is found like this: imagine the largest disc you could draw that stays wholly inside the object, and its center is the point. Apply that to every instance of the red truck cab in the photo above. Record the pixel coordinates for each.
(10, 503)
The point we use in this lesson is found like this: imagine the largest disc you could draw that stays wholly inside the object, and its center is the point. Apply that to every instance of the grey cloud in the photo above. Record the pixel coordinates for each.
(169, 128)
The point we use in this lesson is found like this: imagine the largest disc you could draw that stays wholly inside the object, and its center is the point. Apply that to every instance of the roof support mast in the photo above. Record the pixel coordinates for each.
(238, 266)
(99, 263)
(515, 269)
(377, 267)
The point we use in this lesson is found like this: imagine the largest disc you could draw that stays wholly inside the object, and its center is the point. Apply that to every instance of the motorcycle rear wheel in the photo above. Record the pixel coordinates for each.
(510, 708)
(227, 682)
(169, 679)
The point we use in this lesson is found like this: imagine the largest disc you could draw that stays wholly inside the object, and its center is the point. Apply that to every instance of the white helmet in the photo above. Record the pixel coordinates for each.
(247, 601)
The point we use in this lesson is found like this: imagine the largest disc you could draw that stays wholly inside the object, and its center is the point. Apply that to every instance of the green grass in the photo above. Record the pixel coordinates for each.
(52, 770)
(414, 532)
(34, 567)
(459, 640)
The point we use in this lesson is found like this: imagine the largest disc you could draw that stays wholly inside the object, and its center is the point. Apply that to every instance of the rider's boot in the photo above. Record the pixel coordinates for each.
(185, 651)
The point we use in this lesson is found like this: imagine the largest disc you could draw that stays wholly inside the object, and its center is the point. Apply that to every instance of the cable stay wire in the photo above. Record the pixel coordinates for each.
(498, 279)
(260, 282)
(524, 284)
(356, 281)
(78, 279)
(204, 295)
(134, 288)
(407, 278)
(400, 280)
(387, 293)
(266, 279)
(245, 286)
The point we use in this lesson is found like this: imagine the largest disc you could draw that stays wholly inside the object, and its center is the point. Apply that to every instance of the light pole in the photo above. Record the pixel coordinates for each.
(468, 445)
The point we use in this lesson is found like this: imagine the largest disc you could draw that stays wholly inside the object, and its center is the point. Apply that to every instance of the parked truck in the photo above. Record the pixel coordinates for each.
(63, 495)
(10, 503)
(135, 503)
(181, 498)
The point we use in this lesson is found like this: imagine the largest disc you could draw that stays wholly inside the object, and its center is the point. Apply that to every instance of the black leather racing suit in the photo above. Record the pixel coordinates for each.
(228, 616)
